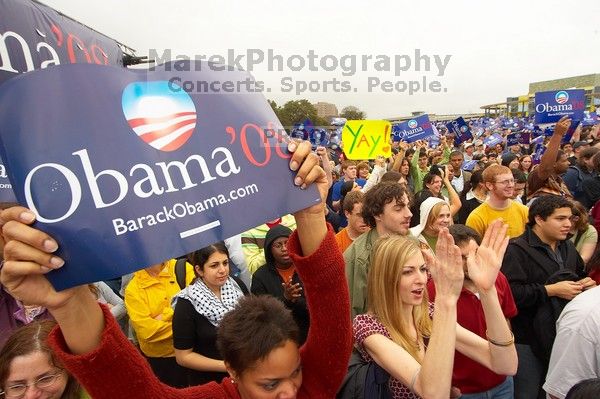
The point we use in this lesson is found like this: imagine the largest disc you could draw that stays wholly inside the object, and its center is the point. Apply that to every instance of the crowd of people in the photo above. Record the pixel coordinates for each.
(460, 270)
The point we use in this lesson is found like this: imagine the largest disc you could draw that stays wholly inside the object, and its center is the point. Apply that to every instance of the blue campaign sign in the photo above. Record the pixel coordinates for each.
(397, 133)
(494, 139)
(460, 129)
(469, 165)
(590, 119)
(434, 141)
(125, 168)
(517, 138)
(550, 106)
(569, 134)
(6, 192)
(536, 157)
(319, 137)
(538, 140)
(413, 130)
(34, 36)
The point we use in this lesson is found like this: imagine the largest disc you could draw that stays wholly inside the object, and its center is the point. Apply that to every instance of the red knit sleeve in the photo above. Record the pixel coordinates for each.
(115, 369)
(327, 350)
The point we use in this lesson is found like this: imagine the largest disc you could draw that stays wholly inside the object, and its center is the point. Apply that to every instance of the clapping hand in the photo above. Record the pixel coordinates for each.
(446, 266)
(484, 262)
(291, 291)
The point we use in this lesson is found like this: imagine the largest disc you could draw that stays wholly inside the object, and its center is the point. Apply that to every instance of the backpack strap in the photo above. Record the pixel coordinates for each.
(180, 272)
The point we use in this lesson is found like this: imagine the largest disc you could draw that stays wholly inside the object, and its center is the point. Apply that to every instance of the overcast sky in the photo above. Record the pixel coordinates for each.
(496, 48)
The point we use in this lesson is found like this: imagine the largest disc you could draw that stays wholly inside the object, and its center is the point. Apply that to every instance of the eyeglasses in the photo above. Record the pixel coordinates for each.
(280, 245)
(506, 182)
(42, 383)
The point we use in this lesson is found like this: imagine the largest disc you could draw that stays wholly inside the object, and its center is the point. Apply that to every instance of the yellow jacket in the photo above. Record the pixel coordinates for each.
(147, 297)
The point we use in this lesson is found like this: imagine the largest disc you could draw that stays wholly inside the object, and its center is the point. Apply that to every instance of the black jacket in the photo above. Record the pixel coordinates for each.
(527, 265)
(591, 190)
(267, 281)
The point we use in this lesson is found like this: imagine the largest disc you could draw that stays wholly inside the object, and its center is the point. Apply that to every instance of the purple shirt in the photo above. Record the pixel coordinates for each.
(12, 315)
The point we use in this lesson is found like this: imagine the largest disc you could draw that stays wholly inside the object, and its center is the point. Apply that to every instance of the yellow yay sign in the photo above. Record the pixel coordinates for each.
(367, 139)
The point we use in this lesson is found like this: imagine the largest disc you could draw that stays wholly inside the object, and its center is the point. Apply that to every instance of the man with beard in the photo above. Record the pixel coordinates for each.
(278, 278)
(500, 183)
(386, 211)
(473, 379)
(546, 178)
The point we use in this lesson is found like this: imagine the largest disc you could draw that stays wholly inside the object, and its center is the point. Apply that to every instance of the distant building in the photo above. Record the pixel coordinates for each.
(524, 105)
(433, 117)
(326, 110)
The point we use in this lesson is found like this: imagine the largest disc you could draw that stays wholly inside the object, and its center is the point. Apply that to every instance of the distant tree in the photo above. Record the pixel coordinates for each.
(352, 113)
(276, 108)
(298, 111)
(273, 105)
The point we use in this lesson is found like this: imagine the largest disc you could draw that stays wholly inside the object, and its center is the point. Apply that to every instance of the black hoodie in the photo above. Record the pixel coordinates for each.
(267, 281)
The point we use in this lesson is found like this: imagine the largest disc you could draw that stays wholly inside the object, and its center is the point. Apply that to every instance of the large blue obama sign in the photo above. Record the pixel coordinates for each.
(415, 129)
(461, 130)
(126, 169)
(550, 106)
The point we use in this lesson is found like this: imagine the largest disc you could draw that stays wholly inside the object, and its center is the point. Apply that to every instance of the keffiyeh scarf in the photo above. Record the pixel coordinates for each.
(207, 303)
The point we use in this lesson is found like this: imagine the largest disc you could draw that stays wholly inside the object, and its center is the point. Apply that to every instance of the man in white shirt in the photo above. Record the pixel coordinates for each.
(576, 350)
(460, 177)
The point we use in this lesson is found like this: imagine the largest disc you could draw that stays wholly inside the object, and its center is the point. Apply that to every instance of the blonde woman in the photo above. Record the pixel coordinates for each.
(435, 215)
(398, 332)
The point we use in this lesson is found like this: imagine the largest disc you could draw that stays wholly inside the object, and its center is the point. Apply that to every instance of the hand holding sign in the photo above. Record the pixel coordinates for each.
(307, 164)
(28, 252)
(27, 257)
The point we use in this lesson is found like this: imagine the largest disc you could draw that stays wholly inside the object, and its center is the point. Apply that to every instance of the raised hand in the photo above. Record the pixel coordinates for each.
(446, 266)
(28, 256)
(306, 164)
(484, 262)
(562, 125)
(448, 172)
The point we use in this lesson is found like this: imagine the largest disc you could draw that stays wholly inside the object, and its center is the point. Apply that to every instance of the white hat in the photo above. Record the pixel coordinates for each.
(425, 209)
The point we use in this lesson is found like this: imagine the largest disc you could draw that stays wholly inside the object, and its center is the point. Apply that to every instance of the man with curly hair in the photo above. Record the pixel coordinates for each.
(386, 210)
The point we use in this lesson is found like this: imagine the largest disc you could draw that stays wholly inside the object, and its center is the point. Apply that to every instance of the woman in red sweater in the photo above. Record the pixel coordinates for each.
(258, 340)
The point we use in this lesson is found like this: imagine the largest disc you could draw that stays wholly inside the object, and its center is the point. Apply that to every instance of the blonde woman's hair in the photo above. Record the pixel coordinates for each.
(389, 257)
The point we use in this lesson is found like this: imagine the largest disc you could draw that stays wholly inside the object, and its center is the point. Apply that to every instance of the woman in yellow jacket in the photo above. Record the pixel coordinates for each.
(148, 301)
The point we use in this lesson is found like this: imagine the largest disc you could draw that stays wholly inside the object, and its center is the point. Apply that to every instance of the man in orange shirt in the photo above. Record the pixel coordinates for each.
(356, 225)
